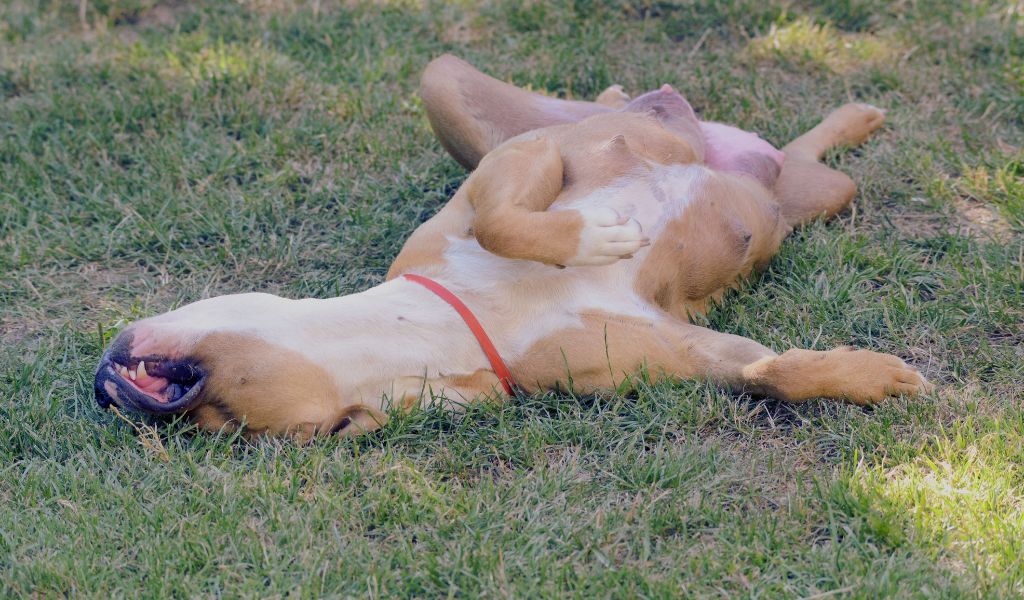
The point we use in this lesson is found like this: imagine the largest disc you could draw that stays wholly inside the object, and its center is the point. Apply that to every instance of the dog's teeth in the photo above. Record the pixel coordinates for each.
(131, 373)
(142, 369)
(123, 370)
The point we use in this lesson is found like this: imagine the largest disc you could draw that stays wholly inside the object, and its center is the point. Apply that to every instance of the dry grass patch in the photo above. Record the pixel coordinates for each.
(978, 219)
(80, 296)
(804, 42)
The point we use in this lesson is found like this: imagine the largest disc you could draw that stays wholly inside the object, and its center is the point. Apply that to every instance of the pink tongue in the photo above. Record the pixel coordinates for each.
(152, 386)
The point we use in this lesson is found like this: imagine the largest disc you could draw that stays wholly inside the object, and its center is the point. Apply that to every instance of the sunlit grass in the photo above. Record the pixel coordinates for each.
(804, 42)
(172, 150)
(221, 61)
(317, 7)
(961, 500)
(1004, 186)
(991, 196)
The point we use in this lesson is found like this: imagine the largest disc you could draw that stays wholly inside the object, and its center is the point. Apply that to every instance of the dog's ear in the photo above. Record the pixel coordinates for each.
(676, 115)
(510, 193)
(357, 420)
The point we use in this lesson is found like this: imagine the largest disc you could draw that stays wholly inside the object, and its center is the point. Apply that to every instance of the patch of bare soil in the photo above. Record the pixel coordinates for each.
(464, 29)
(966, 217)
(980, 219)
(78, 299)
(163, 15)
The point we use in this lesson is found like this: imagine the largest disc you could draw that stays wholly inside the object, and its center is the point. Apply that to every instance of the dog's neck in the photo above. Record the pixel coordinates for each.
(391, 340)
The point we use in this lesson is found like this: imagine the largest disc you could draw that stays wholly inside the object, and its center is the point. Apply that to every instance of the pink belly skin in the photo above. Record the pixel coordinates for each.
(726, 148)
(725, 145)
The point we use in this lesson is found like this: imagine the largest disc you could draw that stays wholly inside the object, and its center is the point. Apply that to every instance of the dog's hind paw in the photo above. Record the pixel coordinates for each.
(853, 123)
(606, 237)
(613, 96)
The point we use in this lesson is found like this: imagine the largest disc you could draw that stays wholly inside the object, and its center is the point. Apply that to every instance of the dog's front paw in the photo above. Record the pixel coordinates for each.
(606, 237)
(867, 377)
(859, 376)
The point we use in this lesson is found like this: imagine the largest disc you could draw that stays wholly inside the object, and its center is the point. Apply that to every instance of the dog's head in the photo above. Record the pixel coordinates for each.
(231, 360)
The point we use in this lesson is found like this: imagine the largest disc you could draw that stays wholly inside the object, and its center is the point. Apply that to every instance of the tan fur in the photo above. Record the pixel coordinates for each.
(608, 350)
(711, 246)
(558, 183)
(513, 187)
(470, 128)
(511, 192)
(246, 384)
(601, 355)
(859, 376)
(613, 97)
(425, 247)
(732, 227)
(453, 89)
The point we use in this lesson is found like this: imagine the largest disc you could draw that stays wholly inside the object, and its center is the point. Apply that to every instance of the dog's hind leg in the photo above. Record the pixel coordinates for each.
(472, 113)
(613, 97)
(607, 348)
(806, 188)
(848, 125)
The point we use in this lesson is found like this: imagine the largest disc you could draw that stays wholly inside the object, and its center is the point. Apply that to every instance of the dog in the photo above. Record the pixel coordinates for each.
(573, 257)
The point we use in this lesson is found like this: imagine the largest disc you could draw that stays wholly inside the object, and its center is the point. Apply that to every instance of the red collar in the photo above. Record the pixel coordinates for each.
(497, 365)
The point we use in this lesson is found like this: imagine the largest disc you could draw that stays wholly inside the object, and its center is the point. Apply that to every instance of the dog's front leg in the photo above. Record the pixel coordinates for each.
(510, 193)
(859, 376)
(602, 353)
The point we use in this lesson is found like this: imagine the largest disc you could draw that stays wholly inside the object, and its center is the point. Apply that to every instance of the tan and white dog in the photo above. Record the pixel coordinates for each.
(584, 239)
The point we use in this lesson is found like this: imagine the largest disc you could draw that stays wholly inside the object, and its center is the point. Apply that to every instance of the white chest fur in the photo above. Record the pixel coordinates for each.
(523, 301)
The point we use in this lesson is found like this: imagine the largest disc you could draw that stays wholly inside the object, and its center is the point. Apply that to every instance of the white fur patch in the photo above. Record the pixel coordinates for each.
(368, 341)
(361, 340)
(521, 302)
(606, 237)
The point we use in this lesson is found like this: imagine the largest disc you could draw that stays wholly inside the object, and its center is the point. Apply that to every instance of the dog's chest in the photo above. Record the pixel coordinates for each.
(652, 197)
(525, 299)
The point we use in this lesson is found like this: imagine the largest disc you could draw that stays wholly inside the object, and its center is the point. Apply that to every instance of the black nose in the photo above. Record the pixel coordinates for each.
(120, 349)
(102, 375)
(101, 395)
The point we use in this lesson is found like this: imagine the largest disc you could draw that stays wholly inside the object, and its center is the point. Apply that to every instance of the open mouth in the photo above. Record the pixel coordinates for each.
(155, 380)
(153, 385)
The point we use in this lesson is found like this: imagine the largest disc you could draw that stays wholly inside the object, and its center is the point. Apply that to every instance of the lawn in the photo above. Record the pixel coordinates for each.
(153, 153)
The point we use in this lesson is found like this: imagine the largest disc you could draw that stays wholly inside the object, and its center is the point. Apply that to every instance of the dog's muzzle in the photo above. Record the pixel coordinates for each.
(149, 384)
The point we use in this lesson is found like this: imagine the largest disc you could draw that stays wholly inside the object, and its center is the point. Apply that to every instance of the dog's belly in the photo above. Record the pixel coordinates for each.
(707, 230)
(534, 299)
(728, 148)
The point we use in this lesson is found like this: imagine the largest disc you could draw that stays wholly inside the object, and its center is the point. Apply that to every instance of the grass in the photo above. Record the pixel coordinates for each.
(156, 153)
